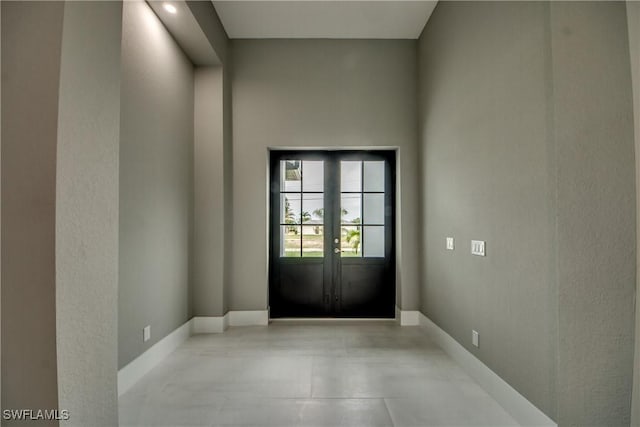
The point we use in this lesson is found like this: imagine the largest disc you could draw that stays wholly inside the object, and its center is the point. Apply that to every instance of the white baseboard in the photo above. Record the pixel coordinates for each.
(407, 317)
(137, 368)
(249, 318)
(312, 320)
(513, 402)
(210, 324)
(219, 324)
(225, 322)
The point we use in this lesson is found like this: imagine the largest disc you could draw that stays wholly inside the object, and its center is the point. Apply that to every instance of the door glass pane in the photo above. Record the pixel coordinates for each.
(290, 208)
(290, 175)
(313, 179)
(350, 241)
(350, 208)
(312, 208)
(290, 240)
(373, 241)
(312, 241)
(350, 176)
(373, 212)
(374, 176)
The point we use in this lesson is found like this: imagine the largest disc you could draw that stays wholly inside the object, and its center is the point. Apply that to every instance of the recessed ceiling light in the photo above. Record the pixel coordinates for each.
(169, 8)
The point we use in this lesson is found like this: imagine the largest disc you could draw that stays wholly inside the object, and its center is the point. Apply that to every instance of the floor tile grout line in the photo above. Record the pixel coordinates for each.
(384, 401)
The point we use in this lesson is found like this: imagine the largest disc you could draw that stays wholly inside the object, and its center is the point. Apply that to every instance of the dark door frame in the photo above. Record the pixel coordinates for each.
(332, 264)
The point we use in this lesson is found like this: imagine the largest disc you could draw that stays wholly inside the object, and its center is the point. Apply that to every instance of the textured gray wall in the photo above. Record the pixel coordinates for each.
(487, 174)
(87, 213)
(209, 193)
(31, 46)
(526, 137)
(317, 93)
(595, 213)
(228, 179)
(0, 212)
(156, 182)
(212, 297)
(633, 23)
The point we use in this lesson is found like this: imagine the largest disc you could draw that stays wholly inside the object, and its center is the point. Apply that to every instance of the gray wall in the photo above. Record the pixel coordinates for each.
(206, 303)
(31, 47)
(209, 192)
(87, 213)
(227, 106)
(0, 213)
(156, 182)
(317, 93)
(633, 23)
(487, 174)
(593, 118)
(526, 139)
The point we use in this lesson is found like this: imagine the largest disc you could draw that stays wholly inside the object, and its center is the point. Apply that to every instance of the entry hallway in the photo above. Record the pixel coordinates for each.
(310, 374)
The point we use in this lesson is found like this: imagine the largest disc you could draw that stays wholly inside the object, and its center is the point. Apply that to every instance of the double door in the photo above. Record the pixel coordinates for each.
(332, 234)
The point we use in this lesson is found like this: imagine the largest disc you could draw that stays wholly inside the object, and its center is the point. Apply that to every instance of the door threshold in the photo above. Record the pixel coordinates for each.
(331, 319)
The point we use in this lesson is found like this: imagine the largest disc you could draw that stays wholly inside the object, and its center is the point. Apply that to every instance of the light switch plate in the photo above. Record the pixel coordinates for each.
(450, 243)
(475, 338)
(146, 333)
(477, 247)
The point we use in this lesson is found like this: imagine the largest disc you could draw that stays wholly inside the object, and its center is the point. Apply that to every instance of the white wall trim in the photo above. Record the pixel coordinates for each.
(225, 322)
(407, 317)
(210, 324)
(138, 367)
(219, 324)
(513, 402)
(330, 320)
(249, 318)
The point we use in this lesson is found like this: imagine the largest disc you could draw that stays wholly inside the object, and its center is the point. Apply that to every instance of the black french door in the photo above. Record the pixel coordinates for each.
(332, 234)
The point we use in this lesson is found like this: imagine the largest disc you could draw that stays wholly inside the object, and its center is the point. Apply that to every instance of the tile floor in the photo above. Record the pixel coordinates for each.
(321, 374)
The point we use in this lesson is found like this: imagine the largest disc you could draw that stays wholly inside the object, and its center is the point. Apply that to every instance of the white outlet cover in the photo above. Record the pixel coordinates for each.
(475, 338)
(450, 243)
(146, 333)
(477, 247)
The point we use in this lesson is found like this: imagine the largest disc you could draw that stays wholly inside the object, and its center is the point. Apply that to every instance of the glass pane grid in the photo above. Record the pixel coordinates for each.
(312, 176)
(351, 176)
(298, 192)
(301, 208)
(291, 242)
(373, 241)
(373, 176)
(373, 208)
(363, 209)
(354, 192)
(291, 175)
(362, 215)
(312, 241)
(350, 241)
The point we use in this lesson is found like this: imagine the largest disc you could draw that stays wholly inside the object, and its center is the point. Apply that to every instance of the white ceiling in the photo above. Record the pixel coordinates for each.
(337, 19)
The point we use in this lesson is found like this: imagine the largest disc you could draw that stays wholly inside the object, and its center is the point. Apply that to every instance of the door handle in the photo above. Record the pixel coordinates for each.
(336, 250)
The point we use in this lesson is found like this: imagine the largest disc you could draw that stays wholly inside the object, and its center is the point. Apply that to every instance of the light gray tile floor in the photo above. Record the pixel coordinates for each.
(310, 374)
